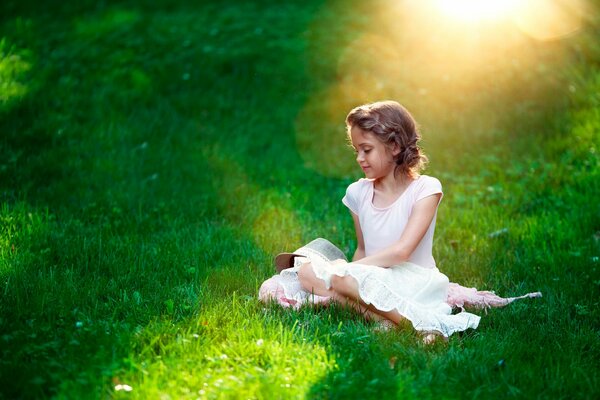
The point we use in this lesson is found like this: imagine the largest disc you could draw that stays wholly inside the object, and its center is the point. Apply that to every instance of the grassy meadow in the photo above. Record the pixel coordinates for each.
(156, 155)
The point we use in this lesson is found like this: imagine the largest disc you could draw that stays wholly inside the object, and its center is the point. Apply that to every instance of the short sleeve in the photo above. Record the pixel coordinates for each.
(428, 187)
(353, 196)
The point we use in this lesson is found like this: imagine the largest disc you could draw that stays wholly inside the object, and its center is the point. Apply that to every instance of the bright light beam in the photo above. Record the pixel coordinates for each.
(477, 10)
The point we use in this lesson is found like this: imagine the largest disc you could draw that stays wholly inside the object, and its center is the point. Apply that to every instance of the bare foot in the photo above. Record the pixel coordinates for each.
(430, 337)
(384, 325)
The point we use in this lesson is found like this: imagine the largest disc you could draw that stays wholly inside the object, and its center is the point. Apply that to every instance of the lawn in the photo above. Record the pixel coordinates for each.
(156, 155)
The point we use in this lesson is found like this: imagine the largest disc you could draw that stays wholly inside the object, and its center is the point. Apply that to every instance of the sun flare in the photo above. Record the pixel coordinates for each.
(539, 19)
(477, 10)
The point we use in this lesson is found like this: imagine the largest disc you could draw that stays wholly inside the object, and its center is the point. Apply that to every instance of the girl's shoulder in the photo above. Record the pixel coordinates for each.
(357, 193)
(360, 186)
(362, 182)
(425, 186)
(426, 180)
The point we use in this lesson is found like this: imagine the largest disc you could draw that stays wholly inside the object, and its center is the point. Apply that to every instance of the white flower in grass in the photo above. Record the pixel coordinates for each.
(259, 342)
(126, 388)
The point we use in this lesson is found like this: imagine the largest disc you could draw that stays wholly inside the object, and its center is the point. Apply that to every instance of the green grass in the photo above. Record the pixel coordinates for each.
(155, 156)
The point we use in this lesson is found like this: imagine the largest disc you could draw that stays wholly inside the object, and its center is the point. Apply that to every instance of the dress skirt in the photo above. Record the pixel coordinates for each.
(419, 294)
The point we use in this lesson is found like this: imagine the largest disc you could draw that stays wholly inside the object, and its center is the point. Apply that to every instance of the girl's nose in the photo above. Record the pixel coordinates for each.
(359, 157)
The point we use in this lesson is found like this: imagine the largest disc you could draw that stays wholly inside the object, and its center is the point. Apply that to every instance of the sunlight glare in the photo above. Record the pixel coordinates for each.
(550, 19)
(477, 10)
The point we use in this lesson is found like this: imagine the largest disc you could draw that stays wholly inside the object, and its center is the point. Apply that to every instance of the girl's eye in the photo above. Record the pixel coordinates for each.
(367, 151)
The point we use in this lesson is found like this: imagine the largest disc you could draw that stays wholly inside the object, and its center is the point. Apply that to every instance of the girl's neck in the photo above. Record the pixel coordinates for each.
(393, 183)
(388, 190)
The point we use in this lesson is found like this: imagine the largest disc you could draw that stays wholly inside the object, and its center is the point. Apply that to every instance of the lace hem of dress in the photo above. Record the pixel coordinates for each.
(377, 293)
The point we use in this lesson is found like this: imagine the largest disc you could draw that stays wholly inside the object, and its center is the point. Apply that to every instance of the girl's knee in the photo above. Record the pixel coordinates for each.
(337, 282)
(306, 274)
(344, 285)
(310, 282)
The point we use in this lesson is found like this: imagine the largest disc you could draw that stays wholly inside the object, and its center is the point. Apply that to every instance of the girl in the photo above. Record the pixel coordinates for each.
(393, 275)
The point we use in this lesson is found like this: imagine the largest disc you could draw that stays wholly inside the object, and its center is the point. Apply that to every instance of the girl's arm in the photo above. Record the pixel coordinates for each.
(360, 247)
(422, 214)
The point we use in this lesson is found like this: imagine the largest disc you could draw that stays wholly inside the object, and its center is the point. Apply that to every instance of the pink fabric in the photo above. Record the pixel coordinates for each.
(458, 296)
(271, 289)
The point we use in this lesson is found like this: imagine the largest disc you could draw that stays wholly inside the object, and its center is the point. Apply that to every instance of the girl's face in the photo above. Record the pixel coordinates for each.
(374, 157)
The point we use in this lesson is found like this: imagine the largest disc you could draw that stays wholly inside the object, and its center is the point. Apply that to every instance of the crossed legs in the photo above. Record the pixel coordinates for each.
(344, 290)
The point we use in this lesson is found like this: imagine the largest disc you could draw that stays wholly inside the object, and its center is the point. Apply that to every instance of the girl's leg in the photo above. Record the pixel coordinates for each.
(347, 287)
(311, 283)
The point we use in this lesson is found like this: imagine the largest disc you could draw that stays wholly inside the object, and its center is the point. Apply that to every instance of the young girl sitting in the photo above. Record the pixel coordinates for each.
(393, 275)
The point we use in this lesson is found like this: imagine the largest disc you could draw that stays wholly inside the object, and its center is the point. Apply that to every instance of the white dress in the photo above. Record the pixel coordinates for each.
(416, 289)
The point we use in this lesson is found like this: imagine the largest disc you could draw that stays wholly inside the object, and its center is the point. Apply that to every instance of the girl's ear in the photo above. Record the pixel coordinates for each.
(395, 149)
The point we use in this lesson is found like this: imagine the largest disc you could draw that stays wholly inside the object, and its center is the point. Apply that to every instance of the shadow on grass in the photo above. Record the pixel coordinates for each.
(134, 223)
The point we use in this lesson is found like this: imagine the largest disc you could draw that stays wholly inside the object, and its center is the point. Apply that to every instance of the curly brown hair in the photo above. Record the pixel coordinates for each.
(391, 123)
